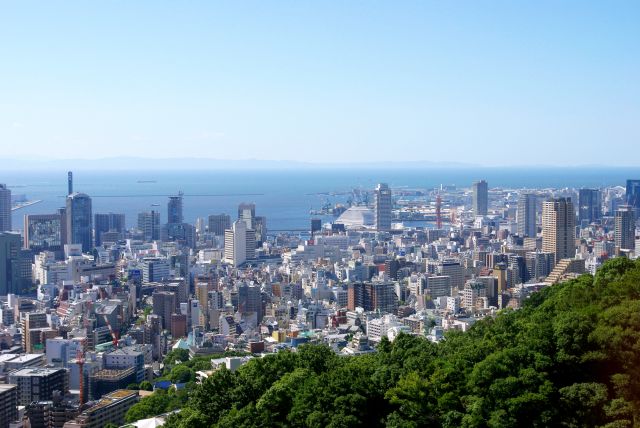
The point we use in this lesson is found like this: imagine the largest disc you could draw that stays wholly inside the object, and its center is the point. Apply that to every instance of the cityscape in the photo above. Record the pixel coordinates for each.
(94, 311)
(257, 214)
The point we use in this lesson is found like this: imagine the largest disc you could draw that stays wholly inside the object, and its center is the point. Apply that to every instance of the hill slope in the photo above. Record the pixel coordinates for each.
(570, 357)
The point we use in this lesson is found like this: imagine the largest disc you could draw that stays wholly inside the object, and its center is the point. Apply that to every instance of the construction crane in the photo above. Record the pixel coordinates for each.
(114, 335)
(80, 361)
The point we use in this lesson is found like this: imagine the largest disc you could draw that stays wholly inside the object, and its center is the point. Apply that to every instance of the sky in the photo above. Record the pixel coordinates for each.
(483, 82)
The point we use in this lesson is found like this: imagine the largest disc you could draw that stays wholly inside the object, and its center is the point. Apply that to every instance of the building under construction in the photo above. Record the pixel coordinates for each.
(105, 381)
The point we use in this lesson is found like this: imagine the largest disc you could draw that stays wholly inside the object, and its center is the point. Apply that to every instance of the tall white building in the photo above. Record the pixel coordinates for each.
(239, 243)
(383, 205)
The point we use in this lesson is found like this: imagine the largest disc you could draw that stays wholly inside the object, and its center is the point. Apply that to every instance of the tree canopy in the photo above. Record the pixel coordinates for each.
(568, 358)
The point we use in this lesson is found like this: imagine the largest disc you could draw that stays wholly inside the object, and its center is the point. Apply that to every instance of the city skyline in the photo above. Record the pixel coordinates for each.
(322, 83)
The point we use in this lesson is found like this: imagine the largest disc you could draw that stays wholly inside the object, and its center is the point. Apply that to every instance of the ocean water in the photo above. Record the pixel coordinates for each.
(284, 197)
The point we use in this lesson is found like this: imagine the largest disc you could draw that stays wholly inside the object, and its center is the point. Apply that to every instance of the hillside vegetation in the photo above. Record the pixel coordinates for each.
(569, 358)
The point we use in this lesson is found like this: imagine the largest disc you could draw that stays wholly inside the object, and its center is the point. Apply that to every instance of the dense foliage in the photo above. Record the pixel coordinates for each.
(570, 357)
(179, 369)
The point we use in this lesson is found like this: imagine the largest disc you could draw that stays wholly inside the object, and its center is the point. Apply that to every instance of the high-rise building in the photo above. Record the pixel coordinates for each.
(149, 225)
(247, 213)
(633, 195)
(260, 226)
(43, 232)
(559, 228)
(5, 208)
(625, 228)
(589, 205)
(174, 209)
(526, 215)
(218, 223)
(69, 183)
(239, 243)
(108, 223)
(480, 203)
(79, 221)
(383, 206)
(10, 245)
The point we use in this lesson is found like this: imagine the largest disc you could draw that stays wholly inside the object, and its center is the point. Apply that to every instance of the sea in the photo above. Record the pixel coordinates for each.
(285, 197)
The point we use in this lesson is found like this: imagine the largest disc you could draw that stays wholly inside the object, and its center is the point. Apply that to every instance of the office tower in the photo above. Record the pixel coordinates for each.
(62, 212)
(79, 221)
(625, 228)
(5, 208)
(69, 183)
(108, 223)
(526, 215)
(559, 228)
(453, 269)
(155, 269)
(260, 226)
(10, 245)
(43, 232)
(316, 225)
(633, 195)
(149, 225)
(37, 384)
(437, 286)
(383, 206)
(8, 404)
(250, 300)
(239, 243)
(247, 213)
(480, 203)
(174, 209)
(218, 223)
(589, 205)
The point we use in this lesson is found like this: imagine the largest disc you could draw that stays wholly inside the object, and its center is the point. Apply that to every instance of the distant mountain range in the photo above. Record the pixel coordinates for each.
(129, 163)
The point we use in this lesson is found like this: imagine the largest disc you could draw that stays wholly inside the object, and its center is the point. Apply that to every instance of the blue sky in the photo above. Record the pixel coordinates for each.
(487, 82)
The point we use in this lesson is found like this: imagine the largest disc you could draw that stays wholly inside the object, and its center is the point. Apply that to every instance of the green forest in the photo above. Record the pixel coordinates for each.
(569, 358)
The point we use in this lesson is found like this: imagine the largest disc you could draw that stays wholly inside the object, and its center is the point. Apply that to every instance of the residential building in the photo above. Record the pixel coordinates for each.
(526, 215)
(559, 228)
(38, 384)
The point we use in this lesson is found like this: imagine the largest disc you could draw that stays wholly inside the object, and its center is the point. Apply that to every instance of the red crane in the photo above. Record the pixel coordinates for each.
(114, 335)
(80, 362)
